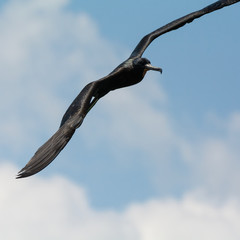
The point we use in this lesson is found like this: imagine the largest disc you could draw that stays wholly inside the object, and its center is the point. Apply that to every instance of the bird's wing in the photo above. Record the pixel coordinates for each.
(81, 103)
(145, 41)
(47, 152)
(72, 119)
(88, 97)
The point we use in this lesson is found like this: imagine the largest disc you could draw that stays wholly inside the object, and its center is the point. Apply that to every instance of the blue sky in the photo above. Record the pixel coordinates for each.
(168, 143)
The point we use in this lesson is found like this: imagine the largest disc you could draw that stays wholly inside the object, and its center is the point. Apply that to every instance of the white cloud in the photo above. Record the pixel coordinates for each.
(55, 208)
(214, 158)
(45, 53)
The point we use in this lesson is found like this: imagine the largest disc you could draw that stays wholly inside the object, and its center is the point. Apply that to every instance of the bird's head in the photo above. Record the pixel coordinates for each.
(145, 65)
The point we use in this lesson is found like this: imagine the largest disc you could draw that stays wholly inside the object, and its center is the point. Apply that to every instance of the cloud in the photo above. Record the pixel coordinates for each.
(55, 208)
(214, 157)
(45, 53)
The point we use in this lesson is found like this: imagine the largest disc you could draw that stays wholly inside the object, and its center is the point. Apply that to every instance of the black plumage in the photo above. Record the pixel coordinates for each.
(128, 73)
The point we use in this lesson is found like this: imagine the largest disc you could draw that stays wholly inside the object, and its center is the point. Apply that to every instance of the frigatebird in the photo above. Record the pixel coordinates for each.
(128, 73)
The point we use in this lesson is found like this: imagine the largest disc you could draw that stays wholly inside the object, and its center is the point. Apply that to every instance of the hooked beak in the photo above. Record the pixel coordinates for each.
(150, 67)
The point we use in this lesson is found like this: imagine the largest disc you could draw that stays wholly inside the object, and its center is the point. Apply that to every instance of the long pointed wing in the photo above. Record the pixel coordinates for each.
(144, 43)
(47, 152)
(72, 119)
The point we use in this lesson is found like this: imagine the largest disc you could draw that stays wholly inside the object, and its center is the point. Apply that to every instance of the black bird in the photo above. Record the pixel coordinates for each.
(128, 73)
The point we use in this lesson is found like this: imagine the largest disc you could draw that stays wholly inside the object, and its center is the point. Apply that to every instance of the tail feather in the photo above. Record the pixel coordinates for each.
(47, 152)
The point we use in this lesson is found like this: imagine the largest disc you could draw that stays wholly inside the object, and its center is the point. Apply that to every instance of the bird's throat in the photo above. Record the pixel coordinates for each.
(144, 72)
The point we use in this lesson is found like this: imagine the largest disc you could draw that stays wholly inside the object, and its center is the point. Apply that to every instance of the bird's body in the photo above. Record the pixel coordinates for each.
(128, 73)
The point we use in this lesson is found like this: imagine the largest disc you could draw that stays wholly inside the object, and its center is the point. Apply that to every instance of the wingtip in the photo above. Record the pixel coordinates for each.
(20, 175)
(23, 174)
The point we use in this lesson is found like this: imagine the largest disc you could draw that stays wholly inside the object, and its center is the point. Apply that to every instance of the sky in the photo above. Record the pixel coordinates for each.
(158, 160)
